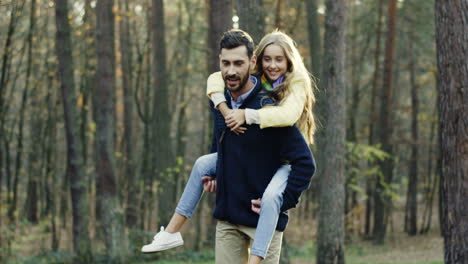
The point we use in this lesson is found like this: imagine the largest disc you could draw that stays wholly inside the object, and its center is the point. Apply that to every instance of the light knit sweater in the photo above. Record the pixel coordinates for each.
(287, 113)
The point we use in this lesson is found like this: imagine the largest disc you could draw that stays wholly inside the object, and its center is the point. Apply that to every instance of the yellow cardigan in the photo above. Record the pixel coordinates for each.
(285, 114)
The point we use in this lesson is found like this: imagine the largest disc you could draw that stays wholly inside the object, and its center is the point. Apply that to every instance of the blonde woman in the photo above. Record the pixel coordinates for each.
(285, 78)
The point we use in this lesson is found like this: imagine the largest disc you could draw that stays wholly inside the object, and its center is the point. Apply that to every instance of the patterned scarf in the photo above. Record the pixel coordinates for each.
(268, 86)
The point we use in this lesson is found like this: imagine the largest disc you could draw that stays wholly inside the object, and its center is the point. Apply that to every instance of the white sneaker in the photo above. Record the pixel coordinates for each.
(162, 241)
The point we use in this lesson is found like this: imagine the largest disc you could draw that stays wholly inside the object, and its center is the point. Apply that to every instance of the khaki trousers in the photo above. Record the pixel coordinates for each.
(233, 243)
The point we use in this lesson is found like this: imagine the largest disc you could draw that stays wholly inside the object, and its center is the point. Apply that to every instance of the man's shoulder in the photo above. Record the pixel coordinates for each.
(262, 96)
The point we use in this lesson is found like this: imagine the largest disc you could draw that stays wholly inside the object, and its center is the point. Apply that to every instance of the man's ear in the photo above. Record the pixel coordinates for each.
(253, 61)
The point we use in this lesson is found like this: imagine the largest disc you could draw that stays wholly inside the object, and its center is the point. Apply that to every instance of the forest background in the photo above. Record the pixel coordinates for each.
(103, 112)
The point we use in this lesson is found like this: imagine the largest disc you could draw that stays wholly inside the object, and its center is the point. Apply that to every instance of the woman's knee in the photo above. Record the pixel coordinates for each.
(271, 198)
(205, 164)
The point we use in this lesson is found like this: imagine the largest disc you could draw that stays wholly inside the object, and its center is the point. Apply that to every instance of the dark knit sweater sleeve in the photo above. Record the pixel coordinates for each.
(219, 126)
(295, 150)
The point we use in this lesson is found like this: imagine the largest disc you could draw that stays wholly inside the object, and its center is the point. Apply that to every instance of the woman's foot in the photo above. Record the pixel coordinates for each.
(162, 241)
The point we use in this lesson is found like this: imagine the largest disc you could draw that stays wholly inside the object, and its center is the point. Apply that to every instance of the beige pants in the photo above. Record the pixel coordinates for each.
(233, 243)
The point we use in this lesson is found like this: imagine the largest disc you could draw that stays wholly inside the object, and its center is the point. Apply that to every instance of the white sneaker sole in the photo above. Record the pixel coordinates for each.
(165, 247)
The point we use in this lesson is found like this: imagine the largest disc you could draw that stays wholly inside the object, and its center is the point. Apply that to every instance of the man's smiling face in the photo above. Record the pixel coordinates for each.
(235, 67)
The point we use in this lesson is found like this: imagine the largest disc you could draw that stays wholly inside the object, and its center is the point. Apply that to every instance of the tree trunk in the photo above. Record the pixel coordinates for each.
(314, 37)
(87, 76)
(330, 234)
(278, 20)
(75, 168)
(452, 84)
(220, 19)
(357, 60)
(432, 182)
(6, 59)
(130, 176)
(161, 119)
(110, 212)
(24, 100)
(385, 124)
(413, 173)
(51, 177)
(34, 172)
(251, 18)
(370, 181)
(146, 167)
(142, 104)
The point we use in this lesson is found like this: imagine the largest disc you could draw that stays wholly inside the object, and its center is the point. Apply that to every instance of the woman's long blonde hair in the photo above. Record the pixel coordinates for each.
(296, 73)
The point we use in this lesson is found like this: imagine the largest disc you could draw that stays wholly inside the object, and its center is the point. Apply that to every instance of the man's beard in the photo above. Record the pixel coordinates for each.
(234, 77)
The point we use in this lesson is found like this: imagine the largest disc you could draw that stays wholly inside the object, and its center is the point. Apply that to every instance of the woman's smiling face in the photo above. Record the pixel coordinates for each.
(274, 62)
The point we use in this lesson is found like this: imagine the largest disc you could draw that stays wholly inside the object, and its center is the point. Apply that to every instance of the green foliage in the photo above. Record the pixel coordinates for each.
(171, 174)
(362, 162)
(356, 152)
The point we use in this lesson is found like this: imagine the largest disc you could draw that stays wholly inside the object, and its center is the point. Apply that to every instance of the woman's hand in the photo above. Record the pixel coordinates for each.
(209, 184)
(235, 119)
(256, 205)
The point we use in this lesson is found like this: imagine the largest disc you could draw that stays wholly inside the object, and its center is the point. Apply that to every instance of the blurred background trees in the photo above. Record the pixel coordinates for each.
(103, 112)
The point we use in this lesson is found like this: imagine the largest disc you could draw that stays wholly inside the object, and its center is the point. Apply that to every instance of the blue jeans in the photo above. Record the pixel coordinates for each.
(204, 166)
(272, 200)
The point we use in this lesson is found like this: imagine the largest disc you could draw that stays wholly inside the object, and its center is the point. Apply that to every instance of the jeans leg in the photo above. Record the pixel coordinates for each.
(272, 200)
(204, 166)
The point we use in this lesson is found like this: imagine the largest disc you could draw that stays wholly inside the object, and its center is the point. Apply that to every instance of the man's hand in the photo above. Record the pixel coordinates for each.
(226, 111)
(256, 204)
(209, 184)
(235, 119)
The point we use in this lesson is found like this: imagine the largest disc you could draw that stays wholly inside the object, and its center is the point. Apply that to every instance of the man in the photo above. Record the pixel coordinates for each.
(247, 162)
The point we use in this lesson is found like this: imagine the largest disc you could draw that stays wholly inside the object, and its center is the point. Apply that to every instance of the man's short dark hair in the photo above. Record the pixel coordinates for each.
(235, 38)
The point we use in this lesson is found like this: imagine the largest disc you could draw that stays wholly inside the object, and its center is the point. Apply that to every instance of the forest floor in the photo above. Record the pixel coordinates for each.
(399, 248)
(31, 245)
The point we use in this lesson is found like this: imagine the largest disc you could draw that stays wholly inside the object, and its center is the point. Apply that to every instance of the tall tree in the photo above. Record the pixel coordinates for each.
(432, 179)
(163, 157)
(330, 234)
(7, 56)
(314, 36)
(452, 85)
(385, 124)
(24, 100)
(75, 168)
(130, 175)
(110, 213)
(251, 18)
(31, 204)
(358, 52)
(412, 202)
(373, 116)
(88, 72)
(278, 19)
(143, 80)
(220, 19)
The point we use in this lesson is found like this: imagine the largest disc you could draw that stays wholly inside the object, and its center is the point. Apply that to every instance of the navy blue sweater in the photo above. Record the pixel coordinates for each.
(247, 163)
